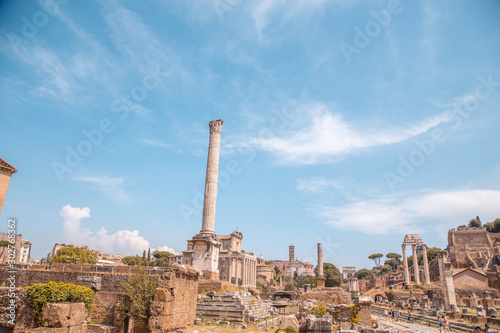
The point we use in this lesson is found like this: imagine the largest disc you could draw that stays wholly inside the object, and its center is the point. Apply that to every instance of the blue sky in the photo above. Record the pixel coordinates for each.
(345, 122)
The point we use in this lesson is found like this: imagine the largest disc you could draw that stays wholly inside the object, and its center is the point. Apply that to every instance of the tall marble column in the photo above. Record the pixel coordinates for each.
(405, 265)
(206, 244)
(415, 264)
(210, 200)
(426, 264)
(320, 279)
(320, 260)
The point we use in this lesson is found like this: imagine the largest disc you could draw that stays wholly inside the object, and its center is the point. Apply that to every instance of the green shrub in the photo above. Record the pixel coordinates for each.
(355, 314)
(262, 288)
(140, 291)
(319, 310)
(58, 292)
(288, 329)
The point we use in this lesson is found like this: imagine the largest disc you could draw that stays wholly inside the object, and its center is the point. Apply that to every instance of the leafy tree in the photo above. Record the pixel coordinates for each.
(385, 269)
(5, 243)
(475, 223)
(134, 261)
(394, 260)
(376, 258)
(139, 290)
(277, 270)
(290, 287)
(262, 288)
(332, 275)
(393, 255)
(393, 263)
(74, 255)
(305, 279)
(432, 253)
(161, 259)
(493, 226)
(162, 254)
(144, 254)
(162, 262)
(149, 254)
(363, 274)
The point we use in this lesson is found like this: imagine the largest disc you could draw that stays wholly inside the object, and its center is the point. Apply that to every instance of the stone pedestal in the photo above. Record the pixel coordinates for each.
(320, 282)
(206, 255)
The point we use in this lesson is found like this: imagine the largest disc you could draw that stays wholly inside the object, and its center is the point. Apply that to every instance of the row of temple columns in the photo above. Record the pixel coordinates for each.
(248, 269)
(415, 264)
(249, 272)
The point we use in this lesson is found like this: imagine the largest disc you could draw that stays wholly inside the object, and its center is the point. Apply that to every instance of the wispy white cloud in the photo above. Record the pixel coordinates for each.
(393, 214)
(321, 135)
(262, 11)
(153, 143)
(122, 241)
(317, 184)
(111, 186)
(138, 41)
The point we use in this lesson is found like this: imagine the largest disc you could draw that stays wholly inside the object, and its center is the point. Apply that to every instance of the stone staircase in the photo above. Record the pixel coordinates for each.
(236, 307)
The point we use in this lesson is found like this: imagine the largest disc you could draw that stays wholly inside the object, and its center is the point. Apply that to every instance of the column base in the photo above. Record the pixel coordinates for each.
(320, 282)
(208, 275)
(206, 255)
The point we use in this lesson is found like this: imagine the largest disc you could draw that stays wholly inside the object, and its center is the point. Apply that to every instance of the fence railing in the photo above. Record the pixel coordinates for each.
(414, 318)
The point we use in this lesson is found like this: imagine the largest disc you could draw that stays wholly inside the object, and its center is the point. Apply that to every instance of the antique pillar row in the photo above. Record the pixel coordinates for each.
(405, 265)
(426, 264)
(415, 264)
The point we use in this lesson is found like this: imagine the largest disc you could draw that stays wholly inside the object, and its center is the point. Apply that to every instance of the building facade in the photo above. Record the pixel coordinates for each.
(6, 172)
(234, 264)
(20, 250)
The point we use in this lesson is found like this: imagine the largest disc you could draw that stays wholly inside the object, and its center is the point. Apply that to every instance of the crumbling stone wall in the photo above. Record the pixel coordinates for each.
(28, 277)
(174, 304)
(23, 311)
(104, 308)
(328, 295)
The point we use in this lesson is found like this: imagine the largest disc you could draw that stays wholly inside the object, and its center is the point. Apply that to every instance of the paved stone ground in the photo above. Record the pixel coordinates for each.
(406, 327)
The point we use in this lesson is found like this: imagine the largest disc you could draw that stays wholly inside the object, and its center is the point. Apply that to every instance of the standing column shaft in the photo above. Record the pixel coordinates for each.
(253, 273)
(426, 264)
(320, 260)
(415, 264)
(243, 265)
(405, 264)
(210, 200)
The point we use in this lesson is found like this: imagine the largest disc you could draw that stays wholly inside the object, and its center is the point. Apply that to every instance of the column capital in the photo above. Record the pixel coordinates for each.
(216, 125)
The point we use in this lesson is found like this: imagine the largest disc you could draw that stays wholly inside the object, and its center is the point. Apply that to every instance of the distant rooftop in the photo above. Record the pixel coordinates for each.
(7, 167)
